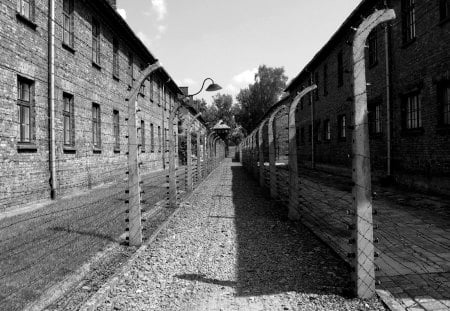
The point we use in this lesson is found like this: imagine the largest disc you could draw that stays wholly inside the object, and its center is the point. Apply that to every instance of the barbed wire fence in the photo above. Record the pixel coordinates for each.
(117, 203)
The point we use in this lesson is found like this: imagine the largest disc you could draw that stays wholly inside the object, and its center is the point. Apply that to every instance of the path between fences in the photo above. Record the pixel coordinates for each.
(413, 230)
(230, 248)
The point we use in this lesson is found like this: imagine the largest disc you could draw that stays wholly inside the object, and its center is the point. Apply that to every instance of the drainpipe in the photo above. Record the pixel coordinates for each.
(388, 99)
(51, 97)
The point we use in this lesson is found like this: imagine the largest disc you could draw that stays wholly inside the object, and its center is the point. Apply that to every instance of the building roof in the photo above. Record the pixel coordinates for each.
(138, 46)
(351, 21)
(221, 126)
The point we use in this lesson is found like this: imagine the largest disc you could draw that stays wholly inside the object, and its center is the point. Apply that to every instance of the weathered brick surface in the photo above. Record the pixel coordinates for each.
(25, 175)
(421, 159)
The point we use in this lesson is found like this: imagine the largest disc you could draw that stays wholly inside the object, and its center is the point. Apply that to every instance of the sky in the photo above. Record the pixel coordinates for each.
(227, 40)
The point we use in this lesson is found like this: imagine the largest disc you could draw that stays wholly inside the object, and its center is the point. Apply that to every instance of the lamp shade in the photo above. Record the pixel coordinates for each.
(213, 87)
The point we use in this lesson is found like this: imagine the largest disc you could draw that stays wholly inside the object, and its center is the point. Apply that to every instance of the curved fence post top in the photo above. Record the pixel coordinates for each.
(299, 97)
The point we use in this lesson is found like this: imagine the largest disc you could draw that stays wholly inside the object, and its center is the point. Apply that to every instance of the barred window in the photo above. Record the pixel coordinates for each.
(142, 136)
(373, 47)
(325, 80)
(327, 130)
(116, 66)
(342, 127)
(69, 122)
(340, 68)
(413, 113)
(152, 138)
(409, 20)
(116, 130)
(96, 126)
(130, 70)
(25, 104)
(68, 23)
(95, 42)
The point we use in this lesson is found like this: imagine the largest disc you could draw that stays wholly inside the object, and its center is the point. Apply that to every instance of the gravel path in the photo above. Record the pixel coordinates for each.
(231, 249)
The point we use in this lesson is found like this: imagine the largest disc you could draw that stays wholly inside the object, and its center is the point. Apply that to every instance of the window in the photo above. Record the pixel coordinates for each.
(342, 127)
(316, 81)
(26, 107)
(69, 122)
(325, 80)
(297, 136)
(68, 21)
(96, 126)
(302, 135)
(327, 130)
(317, 136)
(444, 9)
(340, 68)
(413, 113)
(116, 66)
(151, 88)
(408, 20)
(116, 130)
(444, 100)
(130, 70)
(375, 119)
(159, 138)
(26, 9)
(95, 42)
(373, 47)
(152, 138)
(142, 136)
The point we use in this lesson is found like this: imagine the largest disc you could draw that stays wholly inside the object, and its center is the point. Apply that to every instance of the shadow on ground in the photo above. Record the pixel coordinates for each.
(276, 255)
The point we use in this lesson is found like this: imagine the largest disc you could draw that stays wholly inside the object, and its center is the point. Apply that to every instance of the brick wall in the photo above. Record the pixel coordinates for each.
(24, 53)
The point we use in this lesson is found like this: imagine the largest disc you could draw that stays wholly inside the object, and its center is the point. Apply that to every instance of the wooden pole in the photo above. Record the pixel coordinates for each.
(293, 166)
(364, 267)
(272, 157)
(134, 189)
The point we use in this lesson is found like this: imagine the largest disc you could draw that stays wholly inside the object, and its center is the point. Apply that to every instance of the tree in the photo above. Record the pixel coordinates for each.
(255, 100)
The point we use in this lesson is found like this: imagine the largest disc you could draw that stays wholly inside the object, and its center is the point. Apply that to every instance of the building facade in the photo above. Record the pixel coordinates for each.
(408, 75)
(96, 61)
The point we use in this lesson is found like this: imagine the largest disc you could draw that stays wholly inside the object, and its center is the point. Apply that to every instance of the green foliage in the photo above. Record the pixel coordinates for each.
(255, 100)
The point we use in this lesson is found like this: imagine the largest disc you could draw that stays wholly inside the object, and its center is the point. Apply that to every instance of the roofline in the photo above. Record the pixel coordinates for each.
(342, 29)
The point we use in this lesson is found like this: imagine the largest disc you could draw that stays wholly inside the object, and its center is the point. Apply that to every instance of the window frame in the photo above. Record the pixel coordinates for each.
(116, 130)
(372, 41)
(142, 136)
(408, 20)
(96, 39)
(96, 126)
(412, 118)
(68, 115)
(116, 59)
(159, 139)
(340, 68)
(20, 9)
(69, 28)
(152, 138)
(327, 130)
(26, 130)
(342, 127)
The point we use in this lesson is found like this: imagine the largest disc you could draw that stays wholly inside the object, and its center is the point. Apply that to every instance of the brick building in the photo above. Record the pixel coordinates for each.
(97, 59)
(408, 75)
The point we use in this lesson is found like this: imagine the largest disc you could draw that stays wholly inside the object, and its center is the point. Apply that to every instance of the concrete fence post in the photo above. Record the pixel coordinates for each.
(272, 156)
(364, 266)
(293, 166)
(261, 153)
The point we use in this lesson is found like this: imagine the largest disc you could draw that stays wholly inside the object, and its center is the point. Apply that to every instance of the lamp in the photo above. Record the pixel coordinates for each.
(211, 88)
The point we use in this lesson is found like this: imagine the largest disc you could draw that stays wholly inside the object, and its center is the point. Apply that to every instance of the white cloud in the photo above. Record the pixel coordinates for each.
(245, 78)
(186, 82)
(122, 13)
(159, 6)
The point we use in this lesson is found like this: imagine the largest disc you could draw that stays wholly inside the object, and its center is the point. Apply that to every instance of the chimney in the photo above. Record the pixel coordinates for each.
(113, 4)
(184, 89)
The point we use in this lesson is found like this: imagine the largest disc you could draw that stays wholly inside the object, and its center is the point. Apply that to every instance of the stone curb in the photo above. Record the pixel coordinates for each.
(389, 301)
